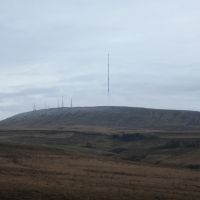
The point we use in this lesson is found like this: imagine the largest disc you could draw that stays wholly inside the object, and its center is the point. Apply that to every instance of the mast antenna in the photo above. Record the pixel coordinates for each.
(108, 74)
(62, 104)
(34, 107)
(71, 103)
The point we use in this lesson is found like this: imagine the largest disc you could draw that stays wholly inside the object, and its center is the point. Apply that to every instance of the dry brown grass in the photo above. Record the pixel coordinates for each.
(49, 174)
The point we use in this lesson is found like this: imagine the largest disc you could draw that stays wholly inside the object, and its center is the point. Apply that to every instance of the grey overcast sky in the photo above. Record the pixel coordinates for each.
(50, 48)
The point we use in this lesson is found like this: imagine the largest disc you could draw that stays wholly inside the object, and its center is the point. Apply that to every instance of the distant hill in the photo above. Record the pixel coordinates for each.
(114, 117)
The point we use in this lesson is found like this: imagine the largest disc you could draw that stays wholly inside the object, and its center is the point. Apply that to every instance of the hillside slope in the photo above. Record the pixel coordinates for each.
(114, 117)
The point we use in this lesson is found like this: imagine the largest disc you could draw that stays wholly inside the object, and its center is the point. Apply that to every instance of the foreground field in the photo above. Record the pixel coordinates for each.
(41, 173)
(177, 149)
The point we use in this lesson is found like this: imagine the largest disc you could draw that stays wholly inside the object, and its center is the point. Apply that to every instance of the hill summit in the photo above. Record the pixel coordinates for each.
(113, 117)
